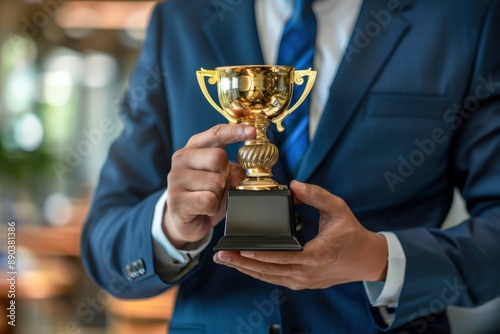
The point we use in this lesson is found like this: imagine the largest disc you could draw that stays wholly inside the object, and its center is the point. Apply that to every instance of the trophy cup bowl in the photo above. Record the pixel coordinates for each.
(259, 210)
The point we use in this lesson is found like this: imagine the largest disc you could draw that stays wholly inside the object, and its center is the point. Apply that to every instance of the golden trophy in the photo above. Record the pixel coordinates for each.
(259, 210)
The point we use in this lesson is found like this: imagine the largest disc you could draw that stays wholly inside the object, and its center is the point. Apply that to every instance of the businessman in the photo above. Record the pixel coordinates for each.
(406, 107)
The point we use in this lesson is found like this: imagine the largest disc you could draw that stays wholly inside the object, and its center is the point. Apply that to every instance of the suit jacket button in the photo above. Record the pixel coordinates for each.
(135, 269)
(140, 267)
(274, 329)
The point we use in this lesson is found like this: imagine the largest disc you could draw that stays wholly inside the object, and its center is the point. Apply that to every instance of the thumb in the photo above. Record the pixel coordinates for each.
(317, 197)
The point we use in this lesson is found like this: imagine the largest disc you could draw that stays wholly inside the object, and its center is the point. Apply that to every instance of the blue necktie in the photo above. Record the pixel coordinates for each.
(297, 50)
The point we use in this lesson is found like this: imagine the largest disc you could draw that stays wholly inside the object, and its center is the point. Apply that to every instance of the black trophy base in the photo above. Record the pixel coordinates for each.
(259, 220)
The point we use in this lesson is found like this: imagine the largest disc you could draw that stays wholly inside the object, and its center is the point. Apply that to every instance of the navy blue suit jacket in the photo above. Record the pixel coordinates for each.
(413, 112)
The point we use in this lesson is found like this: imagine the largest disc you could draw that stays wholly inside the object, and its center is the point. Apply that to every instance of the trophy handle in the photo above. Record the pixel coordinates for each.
(213, 76)
(299, 80)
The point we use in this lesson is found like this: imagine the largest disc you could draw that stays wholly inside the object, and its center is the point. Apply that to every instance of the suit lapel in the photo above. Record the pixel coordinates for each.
(232, 34)
(361, 64)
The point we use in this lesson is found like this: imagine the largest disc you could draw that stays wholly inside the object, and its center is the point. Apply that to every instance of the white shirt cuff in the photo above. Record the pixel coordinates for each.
(173, 256)
(386, 294)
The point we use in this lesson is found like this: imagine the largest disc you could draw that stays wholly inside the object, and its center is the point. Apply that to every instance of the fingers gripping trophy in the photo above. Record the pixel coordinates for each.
(259, 210)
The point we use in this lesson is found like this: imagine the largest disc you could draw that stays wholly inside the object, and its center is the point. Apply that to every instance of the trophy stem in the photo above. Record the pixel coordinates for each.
(257, 157)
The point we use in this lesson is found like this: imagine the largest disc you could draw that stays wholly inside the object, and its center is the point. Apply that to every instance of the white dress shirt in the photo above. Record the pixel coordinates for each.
(336, 20)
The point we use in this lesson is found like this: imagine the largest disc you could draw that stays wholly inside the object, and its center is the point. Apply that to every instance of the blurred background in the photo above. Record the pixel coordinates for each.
(63, 67)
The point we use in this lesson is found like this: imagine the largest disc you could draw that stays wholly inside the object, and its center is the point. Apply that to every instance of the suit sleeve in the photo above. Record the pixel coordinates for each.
(461, 265)
(116, 244)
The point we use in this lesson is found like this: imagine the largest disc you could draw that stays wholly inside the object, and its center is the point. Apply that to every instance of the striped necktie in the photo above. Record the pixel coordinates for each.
(297, 50)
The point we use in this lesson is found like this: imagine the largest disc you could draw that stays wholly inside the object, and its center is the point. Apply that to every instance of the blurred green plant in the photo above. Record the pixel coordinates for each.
(22, 167)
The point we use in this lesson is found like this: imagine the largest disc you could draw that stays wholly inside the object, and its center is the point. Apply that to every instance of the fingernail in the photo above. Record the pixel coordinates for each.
(223, 258)
(298, 183)
(248, 130)
(247, 254)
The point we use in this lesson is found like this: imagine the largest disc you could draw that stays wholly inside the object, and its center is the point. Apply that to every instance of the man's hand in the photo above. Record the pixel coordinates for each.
(343, 251)
(200, 175)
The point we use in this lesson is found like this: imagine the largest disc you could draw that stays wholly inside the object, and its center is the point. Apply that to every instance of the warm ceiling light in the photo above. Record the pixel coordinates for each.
(105, 15)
